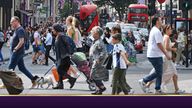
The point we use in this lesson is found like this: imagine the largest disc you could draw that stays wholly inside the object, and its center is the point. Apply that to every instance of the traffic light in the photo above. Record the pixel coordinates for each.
(151, 7)
(185, 4)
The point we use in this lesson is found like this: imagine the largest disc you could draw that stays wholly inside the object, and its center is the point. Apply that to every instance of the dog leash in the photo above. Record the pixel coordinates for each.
(49, 69)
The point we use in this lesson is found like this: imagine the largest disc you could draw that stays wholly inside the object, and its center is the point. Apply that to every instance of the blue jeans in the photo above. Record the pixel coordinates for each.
(1, 57)
(158, 65)
(17, 59)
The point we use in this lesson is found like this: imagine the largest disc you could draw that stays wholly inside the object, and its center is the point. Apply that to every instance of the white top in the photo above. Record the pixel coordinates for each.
(170, 46)
(37, 36)
(78, 43)
(118, 61)
(49, 39)
(155, 37)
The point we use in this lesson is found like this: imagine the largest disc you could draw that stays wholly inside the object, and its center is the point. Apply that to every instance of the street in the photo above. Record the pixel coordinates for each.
(134, 73)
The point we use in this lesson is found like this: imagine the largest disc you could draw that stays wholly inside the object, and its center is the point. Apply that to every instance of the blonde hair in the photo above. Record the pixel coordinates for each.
(75, 22)
(71, 20)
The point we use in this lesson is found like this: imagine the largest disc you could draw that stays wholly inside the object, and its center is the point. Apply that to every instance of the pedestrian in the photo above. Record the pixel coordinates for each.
(97, 54)
(48, 45)
(17, 51)
(181, 46)
(36, 45)
(77, 38)
(155, 53)
(2, 41)
(120, 65)
(169, 70)
(131, 37)
(107, 39)
(62, 57)
(70, 27)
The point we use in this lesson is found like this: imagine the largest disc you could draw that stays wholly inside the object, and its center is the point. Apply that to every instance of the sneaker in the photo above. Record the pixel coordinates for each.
(177, 65)
(180, 92)
(102, 89)
(97, 93)
(59, 86)
(131, 92)
(148, 90)
(2, 86)
(142, 85)
(159, 92)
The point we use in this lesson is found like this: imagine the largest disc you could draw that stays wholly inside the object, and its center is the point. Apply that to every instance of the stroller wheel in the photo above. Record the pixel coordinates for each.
(92, 86)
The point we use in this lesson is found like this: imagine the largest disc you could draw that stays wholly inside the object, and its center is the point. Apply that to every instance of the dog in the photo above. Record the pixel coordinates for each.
(45, 80)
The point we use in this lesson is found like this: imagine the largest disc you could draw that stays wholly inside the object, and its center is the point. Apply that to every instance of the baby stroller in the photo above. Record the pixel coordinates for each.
(79, 64)
(83, 66)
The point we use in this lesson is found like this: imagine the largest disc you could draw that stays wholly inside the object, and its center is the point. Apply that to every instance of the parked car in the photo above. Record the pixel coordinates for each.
(111, 24)
(144, 33)
(128, 27)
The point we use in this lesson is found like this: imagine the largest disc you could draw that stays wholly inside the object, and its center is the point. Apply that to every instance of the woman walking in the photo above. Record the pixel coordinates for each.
(169, 70)
(97, 54)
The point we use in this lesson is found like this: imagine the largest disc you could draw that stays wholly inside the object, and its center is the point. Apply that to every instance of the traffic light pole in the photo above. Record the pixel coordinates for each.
(171, 11)
(187, 43)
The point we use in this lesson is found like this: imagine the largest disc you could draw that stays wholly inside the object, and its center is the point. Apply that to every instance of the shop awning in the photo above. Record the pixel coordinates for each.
(26, 12)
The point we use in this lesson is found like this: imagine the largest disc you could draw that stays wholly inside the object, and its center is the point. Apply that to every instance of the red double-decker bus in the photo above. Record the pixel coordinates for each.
(137, 13)
(89, 17)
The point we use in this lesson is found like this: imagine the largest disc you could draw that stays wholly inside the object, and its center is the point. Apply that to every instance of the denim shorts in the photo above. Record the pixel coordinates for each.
(36, 48)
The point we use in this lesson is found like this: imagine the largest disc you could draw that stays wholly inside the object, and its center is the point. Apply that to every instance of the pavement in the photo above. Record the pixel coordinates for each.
(81, 88)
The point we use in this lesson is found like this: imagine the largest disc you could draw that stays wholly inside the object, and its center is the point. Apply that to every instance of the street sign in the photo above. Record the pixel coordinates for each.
(161, 1)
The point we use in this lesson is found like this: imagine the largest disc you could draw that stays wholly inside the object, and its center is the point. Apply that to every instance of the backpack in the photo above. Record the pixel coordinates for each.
(68, 41)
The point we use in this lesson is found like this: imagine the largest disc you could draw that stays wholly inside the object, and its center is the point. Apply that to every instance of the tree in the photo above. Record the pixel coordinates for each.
(68, 9)
(119, 5)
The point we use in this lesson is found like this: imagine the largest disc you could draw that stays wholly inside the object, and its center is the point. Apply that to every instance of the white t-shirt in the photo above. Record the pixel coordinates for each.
(37, 36)
(155, 37)
(49, 39)
(118, 61)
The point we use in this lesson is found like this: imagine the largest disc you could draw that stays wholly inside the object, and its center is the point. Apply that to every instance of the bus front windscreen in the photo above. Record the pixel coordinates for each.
(138, 10)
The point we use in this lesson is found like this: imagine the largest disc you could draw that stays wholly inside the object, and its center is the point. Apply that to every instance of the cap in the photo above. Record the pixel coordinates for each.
(58, 28)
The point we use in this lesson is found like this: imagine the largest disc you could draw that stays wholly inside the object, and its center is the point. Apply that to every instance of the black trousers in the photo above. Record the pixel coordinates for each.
(63, 68)
(47, 54)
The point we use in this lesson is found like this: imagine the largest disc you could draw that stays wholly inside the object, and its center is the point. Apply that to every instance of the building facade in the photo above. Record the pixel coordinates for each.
(5, 13)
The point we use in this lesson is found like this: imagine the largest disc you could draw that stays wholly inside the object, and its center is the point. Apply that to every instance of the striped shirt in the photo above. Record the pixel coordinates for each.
(118, 61)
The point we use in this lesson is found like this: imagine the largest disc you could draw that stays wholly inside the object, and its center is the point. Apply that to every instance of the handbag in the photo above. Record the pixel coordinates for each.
(108, 61)
(12, 82)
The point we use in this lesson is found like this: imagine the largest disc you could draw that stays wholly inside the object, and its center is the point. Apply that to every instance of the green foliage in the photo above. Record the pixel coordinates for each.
(120, 5)
(66, 11)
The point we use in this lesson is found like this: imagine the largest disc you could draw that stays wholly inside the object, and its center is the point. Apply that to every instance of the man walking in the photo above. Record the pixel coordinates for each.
(155, 53)
(18, 50)
(48, 45)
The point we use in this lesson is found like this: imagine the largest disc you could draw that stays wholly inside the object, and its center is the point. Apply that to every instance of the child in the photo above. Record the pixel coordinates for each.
(120, 63)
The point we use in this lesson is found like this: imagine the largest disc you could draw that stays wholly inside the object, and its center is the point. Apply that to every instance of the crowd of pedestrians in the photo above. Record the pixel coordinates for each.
(47, 37)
